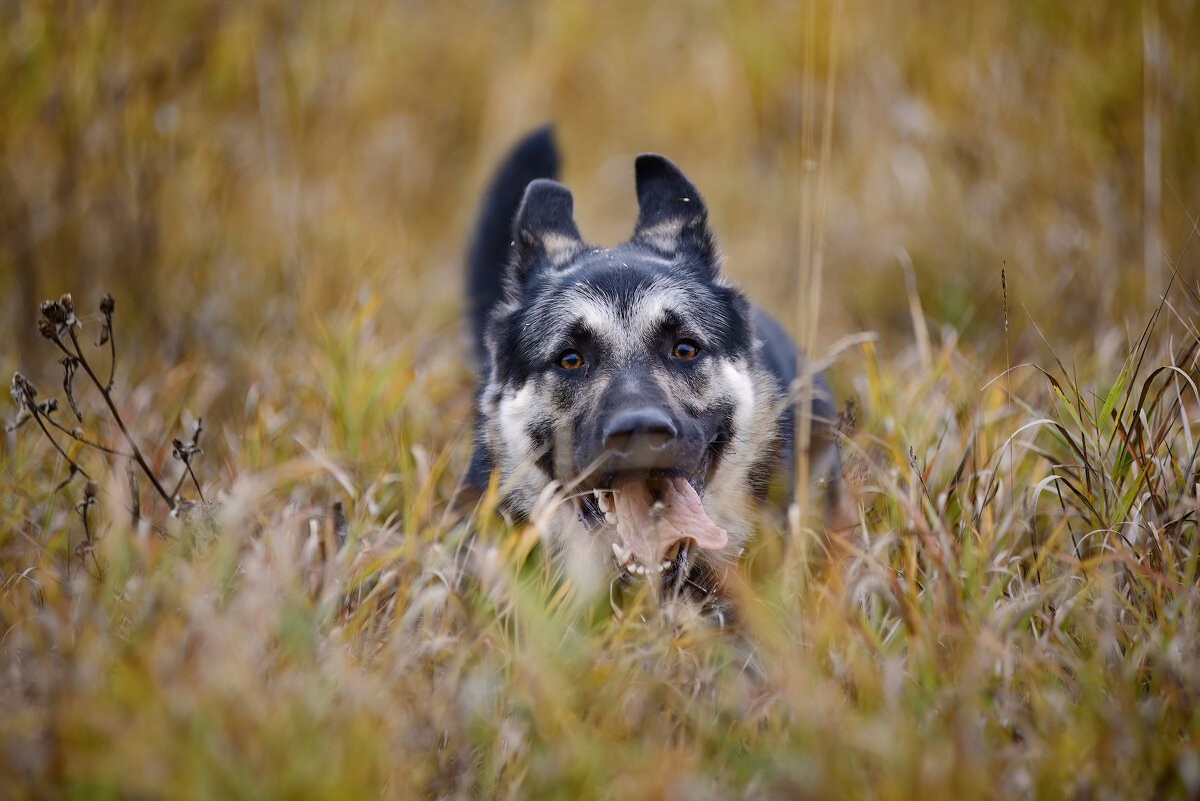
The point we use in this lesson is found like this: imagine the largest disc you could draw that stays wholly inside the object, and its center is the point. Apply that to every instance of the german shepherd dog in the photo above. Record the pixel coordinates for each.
(632, 400)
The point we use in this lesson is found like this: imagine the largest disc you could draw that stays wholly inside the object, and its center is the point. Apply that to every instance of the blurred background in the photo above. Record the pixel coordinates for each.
(278, 195)
(251, 180)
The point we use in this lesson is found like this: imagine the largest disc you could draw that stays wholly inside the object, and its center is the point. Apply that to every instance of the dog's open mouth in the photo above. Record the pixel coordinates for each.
(656, 519)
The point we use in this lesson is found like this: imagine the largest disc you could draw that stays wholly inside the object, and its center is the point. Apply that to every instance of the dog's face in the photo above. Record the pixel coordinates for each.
(628, 379)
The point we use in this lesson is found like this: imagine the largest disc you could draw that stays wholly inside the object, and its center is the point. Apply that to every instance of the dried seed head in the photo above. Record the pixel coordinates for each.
(57, 316)
(183, 451)
(23, 391)
(107, 304)
(53, 312)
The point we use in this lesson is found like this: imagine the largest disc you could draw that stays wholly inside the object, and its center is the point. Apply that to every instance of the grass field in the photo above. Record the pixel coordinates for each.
(276, 196)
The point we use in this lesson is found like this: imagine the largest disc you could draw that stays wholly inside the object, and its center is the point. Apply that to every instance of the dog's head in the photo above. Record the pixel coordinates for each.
(628, 378)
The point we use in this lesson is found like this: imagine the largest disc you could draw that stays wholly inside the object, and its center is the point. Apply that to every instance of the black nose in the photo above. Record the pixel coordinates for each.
(638, 428)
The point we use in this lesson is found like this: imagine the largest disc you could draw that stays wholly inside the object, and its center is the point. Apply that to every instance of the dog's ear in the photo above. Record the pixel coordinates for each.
(672, 217)
(544, 232)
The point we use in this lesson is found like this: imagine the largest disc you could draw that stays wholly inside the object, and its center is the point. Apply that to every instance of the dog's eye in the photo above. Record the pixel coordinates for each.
(570, 360)
(686, 349)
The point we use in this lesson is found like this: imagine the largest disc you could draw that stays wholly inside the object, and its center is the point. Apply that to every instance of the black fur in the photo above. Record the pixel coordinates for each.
(534, 157)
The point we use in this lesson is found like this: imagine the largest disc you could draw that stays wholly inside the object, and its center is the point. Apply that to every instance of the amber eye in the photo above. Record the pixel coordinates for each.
(570, 360)
(686, 349)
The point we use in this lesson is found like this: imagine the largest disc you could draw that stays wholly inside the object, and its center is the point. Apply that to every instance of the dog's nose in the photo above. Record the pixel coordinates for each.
(638, 428)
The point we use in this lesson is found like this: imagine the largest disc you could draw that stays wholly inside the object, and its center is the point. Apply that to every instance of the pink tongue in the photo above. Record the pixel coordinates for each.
(650, 532)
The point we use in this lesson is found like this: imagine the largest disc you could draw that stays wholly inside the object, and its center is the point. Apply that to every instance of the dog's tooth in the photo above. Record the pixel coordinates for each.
(666, 565)
(621, 553)
(602, 501)
(610, 518)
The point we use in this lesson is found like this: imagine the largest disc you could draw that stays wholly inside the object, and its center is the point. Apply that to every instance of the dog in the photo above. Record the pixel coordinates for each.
(631, 399)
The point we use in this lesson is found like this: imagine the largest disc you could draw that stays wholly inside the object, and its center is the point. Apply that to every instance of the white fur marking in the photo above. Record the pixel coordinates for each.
(742, 387)
(559, 248)
(663, 236)
(514, 413)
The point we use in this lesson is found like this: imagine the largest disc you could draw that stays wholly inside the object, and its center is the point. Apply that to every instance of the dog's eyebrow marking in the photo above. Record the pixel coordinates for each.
(661, 306)
(597, 312)
(622, 324)
(579, 333)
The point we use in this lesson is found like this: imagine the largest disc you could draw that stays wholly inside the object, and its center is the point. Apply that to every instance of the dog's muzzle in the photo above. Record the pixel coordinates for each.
(639, 467)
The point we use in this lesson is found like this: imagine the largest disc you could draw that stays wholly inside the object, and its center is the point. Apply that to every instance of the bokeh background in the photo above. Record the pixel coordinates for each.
(278, 195)
(245, 176)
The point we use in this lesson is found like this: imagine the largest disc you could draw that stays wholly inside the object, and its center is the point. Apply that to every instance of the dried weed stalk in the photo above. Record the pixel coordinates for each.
(59, 324)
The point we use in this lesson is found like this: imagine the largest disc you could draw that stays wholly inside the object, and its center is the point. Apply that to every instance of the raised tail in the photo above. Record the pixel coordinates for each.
(533, 157)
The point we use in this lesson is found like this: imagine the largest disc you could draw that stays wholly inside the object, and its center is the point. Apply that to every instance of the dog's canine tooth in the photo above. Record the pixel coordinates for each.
(610, 518)
(666, 565)
(623, 554)
(602, 501)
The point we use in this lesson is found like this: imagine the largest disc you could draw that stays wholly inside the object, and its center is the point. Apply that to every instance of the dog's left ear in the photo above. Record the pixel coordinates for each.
(672, 217)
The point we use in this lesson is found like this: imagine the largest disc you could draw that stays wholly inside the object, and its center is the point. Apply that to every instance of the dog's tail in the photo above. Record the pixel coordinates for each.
(533, 157)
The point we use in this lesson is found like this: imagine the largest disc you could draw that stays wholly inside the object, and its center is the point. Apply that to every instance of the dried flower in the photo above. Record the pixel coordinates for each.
(53, 312)
(184, 451)
(58, 316)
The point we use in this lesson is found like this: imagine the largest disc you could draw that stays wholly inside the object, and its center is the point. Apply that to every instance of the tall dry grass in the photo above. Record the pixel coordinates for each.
(276, 196)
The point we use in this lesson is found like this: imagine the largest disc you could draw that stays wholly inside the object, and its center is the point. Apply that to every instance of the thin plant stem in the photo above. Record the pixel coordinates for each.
(37, 416)
(84, 440)
(137, 453)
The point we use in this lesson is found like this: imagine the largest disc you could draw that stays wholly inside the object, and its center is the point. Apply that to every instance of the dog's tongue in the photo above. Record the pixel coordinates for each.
(653, 517)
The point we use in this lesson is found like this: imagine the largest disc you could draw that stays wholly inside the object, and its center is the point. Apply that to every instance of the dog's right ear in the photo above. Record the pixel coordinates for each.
(544, 231)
